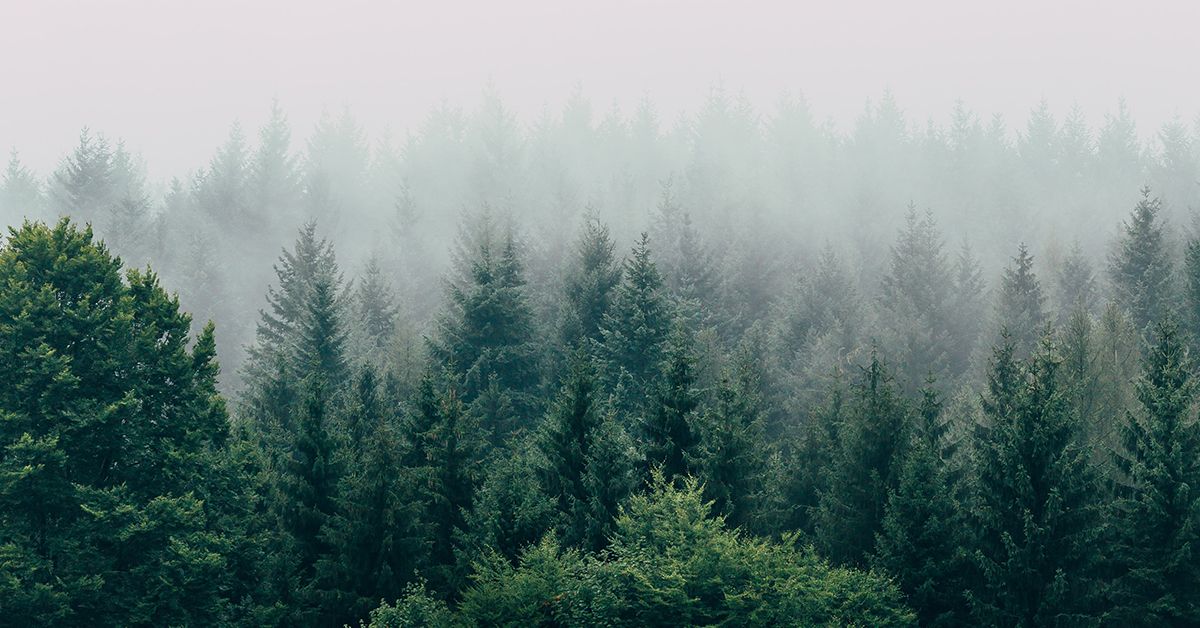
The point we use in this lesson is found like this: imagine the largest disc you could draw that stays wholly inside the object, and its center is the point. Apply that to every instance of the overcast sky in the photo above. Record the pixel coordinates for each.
(170, 76)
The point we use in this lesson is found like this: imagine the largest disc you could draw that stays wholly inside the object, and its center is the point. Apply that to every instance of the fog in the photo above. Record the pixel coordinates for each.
(169, 77)
(612, 313)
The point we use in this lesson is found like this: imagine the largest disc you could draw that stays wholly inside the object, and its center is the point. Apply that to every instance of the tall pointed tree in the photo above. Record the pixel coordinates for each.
(1140, 267)
(1156, 518)
(1035, 505)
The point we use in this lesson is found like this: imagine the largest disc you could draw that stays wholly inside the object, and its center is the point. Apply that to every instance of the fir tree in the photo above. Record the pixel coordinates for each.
(635, 331)
(871, 442)
(589, 285)
(1140, 267)
(669, 434)
(1035, 504)
(1156, 518)
(1020, 309)
(923, 535)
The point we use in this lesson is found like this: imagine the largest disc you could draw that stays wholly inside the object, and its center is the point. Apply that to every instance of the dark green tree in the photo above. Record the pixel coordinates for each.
(1156, 517)
(635, 331)
(923, 536)
(1035, 505)
(871, 442)
(1020, 307)
(669, 434)
(1140, 267)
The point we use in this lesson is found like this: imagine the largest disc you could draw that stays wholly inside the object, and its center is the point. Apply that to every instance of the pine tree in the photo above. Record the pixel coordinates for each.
(586, 471)
(669, 435)
(914, 304)
(871, 441)
(1156, 518)
(1191, 289)
(375, 545)
(111, 425)
(1076, 283)
(308, 484)
(923, 535)
(1035, 504)
(445, 451)
(273, 180)
(84, 187)
(733, 455)
(589, 285)
(320, 344)
(20, 192)
(375, 308)
(486, 333)
(1140, 267)
(1020, 308)
(635, 331)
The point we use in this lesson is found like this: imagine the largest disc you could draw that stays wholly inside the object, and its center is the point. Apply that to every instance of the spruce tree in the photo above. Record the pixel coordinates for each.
(635, 331)
(669, 430)
(733, 452)
(1156, 517)
(1020, 308)
(923, 537)
(1140, 267)
(871, 442)
(589, 285)
(1035, 503)
(585, 471)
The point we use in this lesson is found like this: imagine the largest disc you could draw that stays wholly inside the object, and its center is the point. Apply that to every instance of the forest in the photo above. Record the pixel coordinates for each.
(598, 368)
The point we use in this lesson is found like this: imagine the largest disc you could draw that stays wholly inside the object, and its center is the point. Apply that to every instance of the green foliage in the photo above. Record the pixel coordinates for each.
(669, 435)
(870, 445)
(1156, 518)
(1020, 308)
(924, 533)
(635, 332)
(672, 564)
(1035, 503)
(111, 427)
(1140, 268)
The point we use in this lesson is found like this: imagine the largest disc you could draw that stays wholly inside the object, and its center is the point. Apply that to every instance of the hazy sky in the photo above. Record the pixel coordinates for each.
(170, 76)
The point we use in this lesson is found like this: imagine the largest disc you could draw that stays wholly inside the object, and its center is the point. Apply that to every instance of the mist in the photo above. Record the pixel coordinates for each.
(527, 313)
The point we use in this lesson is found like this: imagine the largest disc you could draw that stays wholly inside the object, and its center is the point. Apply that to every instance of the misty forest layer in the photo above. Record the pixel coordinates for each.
(598, 370)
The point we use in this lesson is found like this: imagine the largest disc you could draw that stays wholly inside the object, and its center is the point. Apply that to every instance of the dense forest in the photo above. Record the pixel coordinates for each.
(738, 369)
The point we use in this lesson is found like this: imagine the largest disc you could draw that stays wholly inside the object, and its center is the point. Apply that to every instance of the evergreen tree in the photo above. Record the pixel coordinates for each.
(486, 334)
(273, 179)
(375, 545)
(1076, 285)
(1156, 518)
(635, 331)
(1191, 289)
(914, 303)
(376, 309)
(733, 452)
(1140, 266)
(111, 429)
(84, 185)
(923, 534)
(590, 284)
(1035, 504)
(308, 485)
(870, 447)
(20, 192)
(1020, 308)
(444, 456)
(587, 475)
(669, 435)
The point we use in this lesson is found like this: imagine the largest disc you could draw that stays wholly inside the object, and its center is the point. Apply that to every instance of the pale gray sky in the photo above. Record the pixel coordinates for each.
(170, 76)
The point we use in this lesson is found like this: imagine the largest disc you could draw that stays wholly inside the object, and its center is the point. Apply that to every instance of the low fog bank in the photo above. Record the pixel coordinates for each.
(765, 192)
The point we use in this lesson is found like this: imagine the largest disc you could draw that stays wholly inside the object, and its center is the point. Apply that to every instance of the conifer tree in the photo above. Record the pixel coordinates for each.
(1156, 517)
(635, 331)
(669, 430)
(585, 473)
(590, 284)
(111, 428)
(486, 334)
(923, 535)
(1020, 309)
(1035, 503)
(871, 442)
(1140, 267)
(733, 453)
(20, 192)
